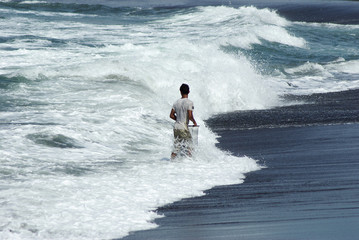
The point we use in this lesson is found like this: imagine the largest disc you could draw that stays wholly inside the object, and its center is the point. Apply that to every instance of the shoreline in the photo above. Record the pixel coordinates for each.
(308, 190)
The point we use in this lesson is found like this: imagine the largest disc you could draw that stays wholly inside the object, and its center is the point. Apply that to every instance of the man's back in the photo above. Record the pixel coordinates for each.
(181, 107)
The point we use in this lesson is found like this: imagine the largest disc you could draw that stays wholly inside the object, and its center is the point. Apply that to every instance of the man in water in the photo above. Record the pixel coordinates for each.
(182, 112)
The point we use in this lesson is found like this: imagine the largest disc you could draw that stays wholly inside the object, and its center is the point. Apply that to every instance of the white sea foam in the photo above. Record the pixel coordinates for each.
(85, 143)
(351, 67)
(331, 25)
(240, 27)
(321, 78)
(82, 160)
(100, 206)
(312, 69)
(32, 2)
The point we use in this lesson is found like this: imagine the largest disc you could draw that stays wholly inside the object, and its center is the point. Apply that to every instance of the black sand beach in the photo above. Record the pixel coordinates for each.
(308, 189)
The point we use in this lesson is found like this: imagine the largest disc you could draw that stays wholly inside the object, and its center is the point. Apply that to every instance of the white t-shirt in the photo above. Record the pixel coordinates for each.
(181, 107)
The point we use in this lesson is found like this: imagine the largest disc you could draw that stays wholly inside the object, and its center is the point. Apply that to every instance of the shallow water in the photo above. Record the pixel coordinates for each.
(308, 189)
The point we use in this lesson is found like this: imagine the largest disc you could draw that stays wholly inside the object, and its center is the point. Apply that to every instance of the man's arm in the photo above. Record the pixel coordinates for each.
(173, 114)
(190, 117)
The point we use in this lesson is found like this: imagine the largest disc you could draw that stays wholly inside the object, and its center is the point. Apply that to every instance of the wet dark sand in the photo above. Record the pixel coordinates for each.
(308, 190)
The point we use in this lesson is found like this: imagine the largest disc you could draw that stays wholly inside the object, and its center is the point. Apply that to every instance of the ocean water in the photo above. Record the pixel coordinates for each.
(86, 88)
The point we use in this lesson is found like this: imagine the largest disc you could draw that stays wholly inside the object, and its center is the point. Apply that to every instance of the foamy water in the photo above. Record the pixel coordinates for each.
(85, 103)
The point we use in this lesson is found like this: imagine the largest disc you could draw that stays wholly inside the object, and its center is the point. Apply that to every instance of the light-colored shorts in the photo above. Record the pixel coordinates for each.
(183, 140)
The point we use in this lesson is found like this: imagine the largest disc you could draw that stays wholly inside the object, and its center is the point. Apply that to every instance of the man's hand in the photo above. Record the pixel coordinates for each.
(173, 114)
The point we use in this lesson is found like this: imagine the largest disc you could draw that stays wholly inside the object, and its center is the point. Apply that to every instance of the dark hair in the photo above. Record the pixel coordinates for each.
(184, 89)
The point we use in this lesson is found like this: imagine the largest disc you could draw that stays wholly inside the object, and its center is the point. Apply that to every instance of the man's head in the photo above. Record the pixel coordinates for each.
(184, 89)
